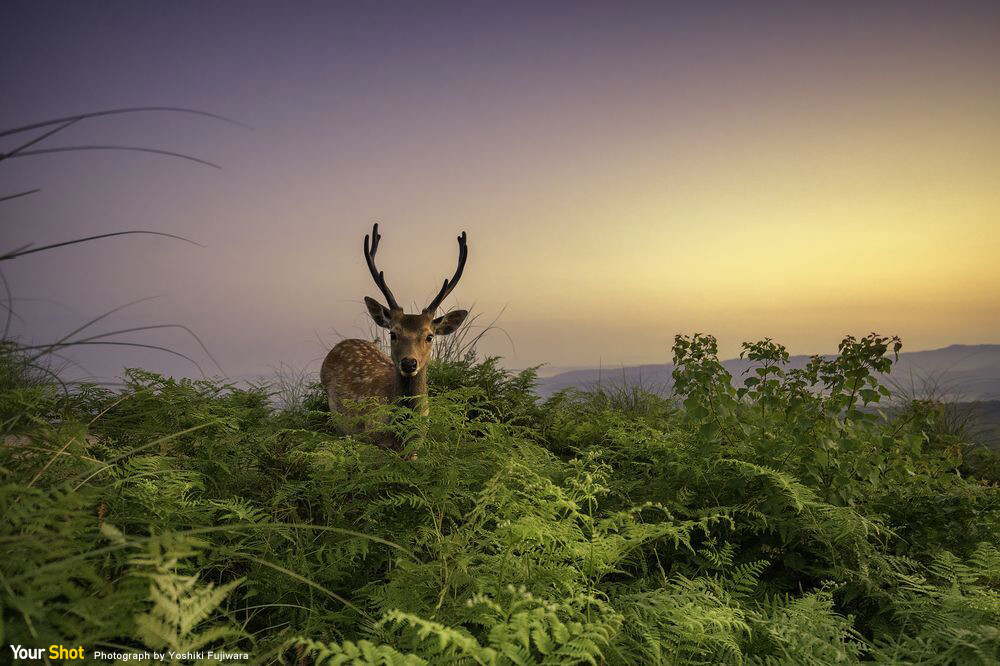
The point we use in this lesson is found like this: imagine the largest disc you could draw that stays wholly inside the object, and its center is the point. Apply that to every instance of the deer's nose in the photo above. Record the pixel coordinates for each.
(408, 365)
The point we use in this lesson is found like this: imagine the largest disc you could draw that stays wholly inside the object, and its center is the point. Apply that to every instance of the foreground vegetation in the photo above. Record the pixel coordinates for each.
(781, 522)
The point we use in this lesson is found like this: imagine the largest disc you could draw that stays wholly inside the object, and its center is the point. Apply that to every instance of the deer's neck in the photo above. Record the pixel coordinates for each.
(412, 391)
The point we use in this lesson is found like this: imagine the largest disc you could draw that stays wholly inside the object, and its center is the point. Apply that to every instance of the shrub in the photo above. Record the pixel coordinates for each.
(775, 520)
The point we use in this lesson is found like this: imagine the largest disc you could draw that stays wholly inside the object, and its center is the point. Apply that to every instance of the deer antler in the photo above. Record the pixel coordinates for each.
(463, 254)
(376, 273)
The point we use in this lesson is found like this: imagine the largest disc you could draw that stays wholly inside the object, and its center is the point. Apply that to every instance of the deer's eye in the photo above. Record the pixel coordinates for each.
(392, 335)
(429, 338)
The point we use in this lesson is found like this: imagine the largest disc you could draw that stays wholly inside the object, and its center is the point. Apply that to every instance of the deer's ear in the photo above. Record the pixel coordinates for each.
(381, 315)
(449, 323)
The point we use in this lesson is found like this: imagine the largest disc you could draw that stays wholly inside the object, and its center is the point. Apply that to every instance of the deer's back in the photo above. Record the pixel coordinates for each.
(354, 370)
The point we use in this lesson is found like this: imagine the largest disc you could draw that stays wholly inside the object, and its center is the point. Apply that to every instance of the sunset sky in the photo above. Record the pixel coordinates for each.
(624, 171)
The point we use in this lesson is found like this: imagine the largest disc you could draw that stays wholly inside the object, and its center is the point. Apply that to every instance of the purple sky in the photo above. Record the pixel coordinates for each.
(625, 171)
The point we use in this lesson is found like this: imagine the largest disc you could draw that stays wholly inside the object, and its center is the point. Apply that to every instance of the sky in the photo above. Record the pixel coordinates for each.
(624, 171)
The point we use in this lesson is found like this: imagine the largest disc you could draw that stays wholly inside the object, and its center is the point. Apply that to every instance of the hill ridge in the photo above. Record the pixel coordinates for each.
(960, 371)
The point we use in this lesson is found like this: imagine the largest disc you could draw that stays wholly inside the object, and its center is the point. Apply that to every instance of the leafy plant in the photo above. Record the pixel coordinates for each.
(772, 520)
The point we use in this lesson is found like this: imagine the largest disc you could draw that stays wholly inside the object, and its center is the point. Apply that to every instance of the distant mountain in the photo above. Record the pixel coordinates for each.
(958, 372)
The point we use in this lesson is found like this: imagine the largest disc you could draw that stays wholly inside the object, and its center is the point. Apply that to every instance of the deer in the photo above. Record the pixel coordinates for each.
(356, 370)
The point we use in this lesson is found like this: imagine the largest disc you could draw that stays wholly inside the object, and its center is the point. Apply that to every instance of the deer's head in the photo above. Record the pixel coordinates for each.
(412, 335)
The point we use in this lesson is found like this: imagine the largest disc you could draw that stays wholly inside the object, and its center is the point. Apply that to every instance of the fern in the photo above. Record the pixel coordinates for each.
(180, 602)
(772, 524)
(362, 653)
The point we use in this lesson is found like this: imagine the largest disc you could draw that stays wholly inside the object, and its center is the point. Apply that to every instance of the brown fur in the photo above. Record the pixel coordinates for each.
(354, 370)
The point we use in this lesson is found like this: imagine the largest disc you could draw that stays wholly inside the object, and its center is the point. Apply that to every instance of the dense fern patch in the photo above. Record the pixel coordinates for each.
(769, 519)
